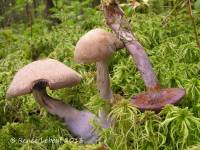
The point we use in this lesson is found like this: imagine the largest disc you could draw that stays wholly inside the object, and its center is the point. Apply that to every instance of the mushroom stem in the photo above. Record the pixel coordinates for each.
(54, 106)
(105, 91)
(143, 65)
(155, 98)
(118, 23)
(103, 81)
(77, 122)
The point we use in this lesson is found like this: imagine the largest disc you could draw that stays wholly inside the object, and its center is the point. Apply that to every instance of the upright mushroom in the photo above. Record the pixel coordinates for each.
(96, 46)
(34, 78)
(155, 98)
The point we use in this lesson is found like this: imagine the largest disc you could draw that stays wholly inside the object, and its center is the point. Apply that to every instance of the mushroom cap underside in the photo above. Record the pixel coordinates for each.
(166, 96)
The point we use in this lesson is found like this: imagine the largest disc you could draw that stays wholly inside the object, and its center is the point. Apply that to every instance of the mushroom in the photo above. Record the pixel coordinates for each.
(97, 46)
(155, 98)
(36, 76)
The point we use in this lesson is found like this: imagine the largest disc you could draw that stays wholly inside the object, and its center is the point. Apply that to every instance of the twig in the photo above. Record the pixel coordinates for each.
(193, 22)
(166, 19)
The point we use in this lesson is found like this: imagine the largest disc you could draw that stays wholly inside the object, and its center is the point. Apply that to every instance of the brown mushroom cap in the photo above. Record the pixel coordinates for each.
(96, 45)
(56, 74)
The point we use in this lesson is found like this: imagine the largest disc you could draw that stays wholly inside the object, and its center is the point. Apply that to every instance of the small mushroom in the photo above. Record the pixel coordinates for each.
(34, 78)
(97, 46)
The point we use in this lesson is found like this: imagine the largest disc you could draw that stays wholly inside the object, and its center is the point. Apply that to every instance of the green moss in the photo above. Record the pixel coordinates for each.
(171, 49)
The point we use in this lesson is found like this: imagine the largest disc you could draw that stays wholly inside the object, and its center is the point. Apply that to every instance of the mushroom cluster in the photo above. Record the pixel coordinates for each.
(96, 46)
(36, 76)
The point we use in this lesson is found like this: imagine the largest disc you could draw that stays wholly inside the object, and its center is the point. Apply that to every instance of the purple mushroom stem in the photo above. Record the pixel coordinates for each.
(143, 64)
(78, 122)
(115, 19)
(105, 91)
(103, 81)
(155, 98)
(51, 104)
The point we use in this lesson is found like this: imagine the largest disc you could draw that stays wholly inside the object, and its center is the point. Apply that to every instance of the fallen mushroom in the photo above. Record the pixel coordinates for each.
(34, 78)
(97, 46)
(155, 98)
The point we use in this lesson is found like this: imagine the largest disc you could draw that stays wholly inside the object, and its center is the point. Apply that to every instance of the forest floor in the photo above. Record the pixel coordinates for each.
(173, 53)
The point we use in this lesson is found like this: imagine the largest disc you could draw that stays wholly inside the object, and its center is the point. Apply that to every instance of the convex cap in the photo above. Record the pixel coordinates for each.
(96, 45)
(56, 74)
